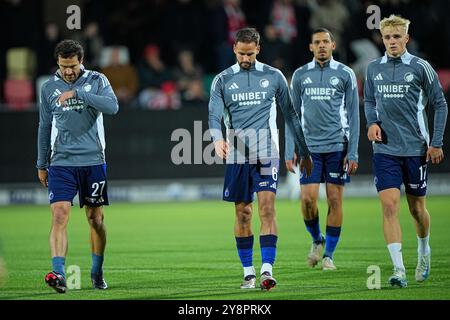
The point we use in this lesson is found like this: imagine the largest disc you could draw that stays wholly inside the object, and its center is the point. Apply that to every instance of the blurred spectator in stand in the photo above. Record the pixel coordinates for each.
(274, 51)
(122, 76)
(189, 77)
(334, 16)
(364, 51)
(45, 50)
(152, 70)
(300, 56)
(158, 90)
(176, 15)
(225, 20)
(284, 20)
(93, 44)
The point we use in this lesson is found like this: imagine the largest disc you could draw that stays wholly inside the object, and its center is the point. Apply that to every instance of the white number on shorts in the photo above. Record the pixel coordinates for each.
(423, 172)
(97, 186)
(274, 173)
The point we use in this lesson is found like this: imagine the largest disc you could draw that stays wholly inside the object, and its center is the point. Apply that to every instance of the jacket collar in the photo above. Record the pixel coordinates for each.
(258, 66)
(405, 57)
(330, 63)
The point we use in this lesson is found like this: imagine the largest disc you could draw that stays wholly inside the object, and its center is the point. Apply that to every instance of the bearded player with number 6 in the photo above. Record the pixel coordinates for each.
(246, 95)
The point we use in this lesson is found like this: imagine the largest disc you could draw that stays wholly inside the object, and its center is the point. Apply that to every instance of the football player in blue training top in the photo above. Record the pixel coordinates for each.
(71, 154)
(246, 95)
(325, 94)
(398, 86)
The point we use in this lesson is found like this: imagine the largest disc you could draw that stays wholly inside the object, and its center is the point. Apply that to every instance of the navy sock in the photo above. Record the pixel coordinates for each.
(313, 228)
(58, 265)
(245, 250)
(268, 245)
(97, 264)
(333, 234)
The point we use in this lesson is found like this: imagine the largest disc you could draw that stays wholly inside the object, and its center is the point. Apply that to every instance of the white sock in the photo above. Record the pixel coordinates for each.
(395, 249)
(266, 267)
(249, 271)
(423, 246)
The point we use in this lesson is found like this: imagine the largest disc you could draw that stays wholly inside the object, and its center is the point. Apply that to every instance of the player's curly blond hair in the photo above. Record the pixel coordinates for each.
(395, 21)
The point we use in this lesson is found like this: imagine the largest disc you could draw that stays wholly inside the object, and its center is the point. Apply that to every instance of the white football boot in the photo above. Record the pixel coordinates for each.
(327, 264)
(398, 278)
(315, 254)
(423, 267)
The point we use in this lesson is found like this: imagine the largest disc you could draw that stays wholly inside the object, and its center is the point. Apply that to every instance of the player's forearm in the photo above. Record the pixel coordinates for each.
(352, 148)
(293, 123)
(43, 147)
(371, 113)
(440, 119)
(215, 111)
(352, 153)
(215, 128)
(354, 124)
(103, 103)
(289, 144)
(295, 126)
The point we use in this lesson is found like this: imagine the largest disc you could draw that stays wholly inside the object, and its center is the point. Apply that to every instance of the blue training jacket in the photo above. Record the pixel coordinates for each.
(72, 134)
(327, 100)
(396, 92)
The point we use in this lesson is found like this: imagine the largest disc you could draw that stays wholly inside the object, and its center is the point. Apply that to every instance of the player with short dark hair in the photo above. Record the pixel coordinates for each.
(325, 94)
(397, 89)
(71, 154)
(246, 95)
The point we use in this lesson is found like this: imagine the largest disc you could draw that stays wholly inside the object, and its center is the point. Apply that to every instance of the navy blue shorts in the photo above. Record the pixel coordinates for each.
(243, 179)
(392, 171)
(89, 182)
(328, 167)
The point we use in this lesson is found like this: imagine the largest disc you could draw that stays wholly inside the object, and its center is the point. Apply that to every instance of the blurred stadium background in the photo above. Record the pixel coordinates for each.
(160, 57)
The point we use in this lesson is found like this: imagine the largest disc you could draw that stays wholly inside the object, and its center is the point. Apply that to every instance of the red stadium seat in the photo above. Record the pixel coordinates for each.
(444, 78)
(18, 94)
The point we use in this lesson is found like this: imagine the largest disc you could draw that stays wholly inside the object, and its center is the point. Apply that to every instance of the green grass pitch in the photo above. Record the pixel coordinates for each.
(187, 251)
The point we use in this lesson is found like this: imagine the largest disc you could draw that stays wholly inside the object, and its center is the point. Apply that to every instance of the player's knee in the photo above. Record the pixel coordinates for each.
(96, 221)
(390, 209)
(60, 216)
(267, 211)
(334, 202)
(95, 216)
(309, 203)
(244, 216)
(417, 212)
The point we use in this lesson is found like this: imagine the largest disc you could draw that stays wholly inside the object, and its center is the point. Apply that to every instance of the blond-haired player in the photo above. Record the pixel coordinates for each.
(397, 89)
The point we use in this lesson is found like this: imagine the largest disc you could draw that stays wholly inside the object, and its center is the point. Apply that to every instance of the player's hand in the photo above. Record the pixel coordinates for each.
(374, 133)
(291, 164)
(306, 164)
(350, 166)
(66, 95)
(43, 177)
(436, 155)
(222, 148)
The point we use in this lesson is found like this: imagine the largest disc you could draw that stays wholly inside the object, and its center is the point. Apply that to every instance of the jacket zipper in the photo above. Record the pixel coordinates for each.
(393, 73)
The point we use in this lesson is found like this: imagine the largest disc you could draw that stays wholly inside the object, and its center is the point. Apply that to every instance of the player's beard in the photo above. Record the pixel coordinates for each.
(70, 78)
(245, 65)
(323, 58)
